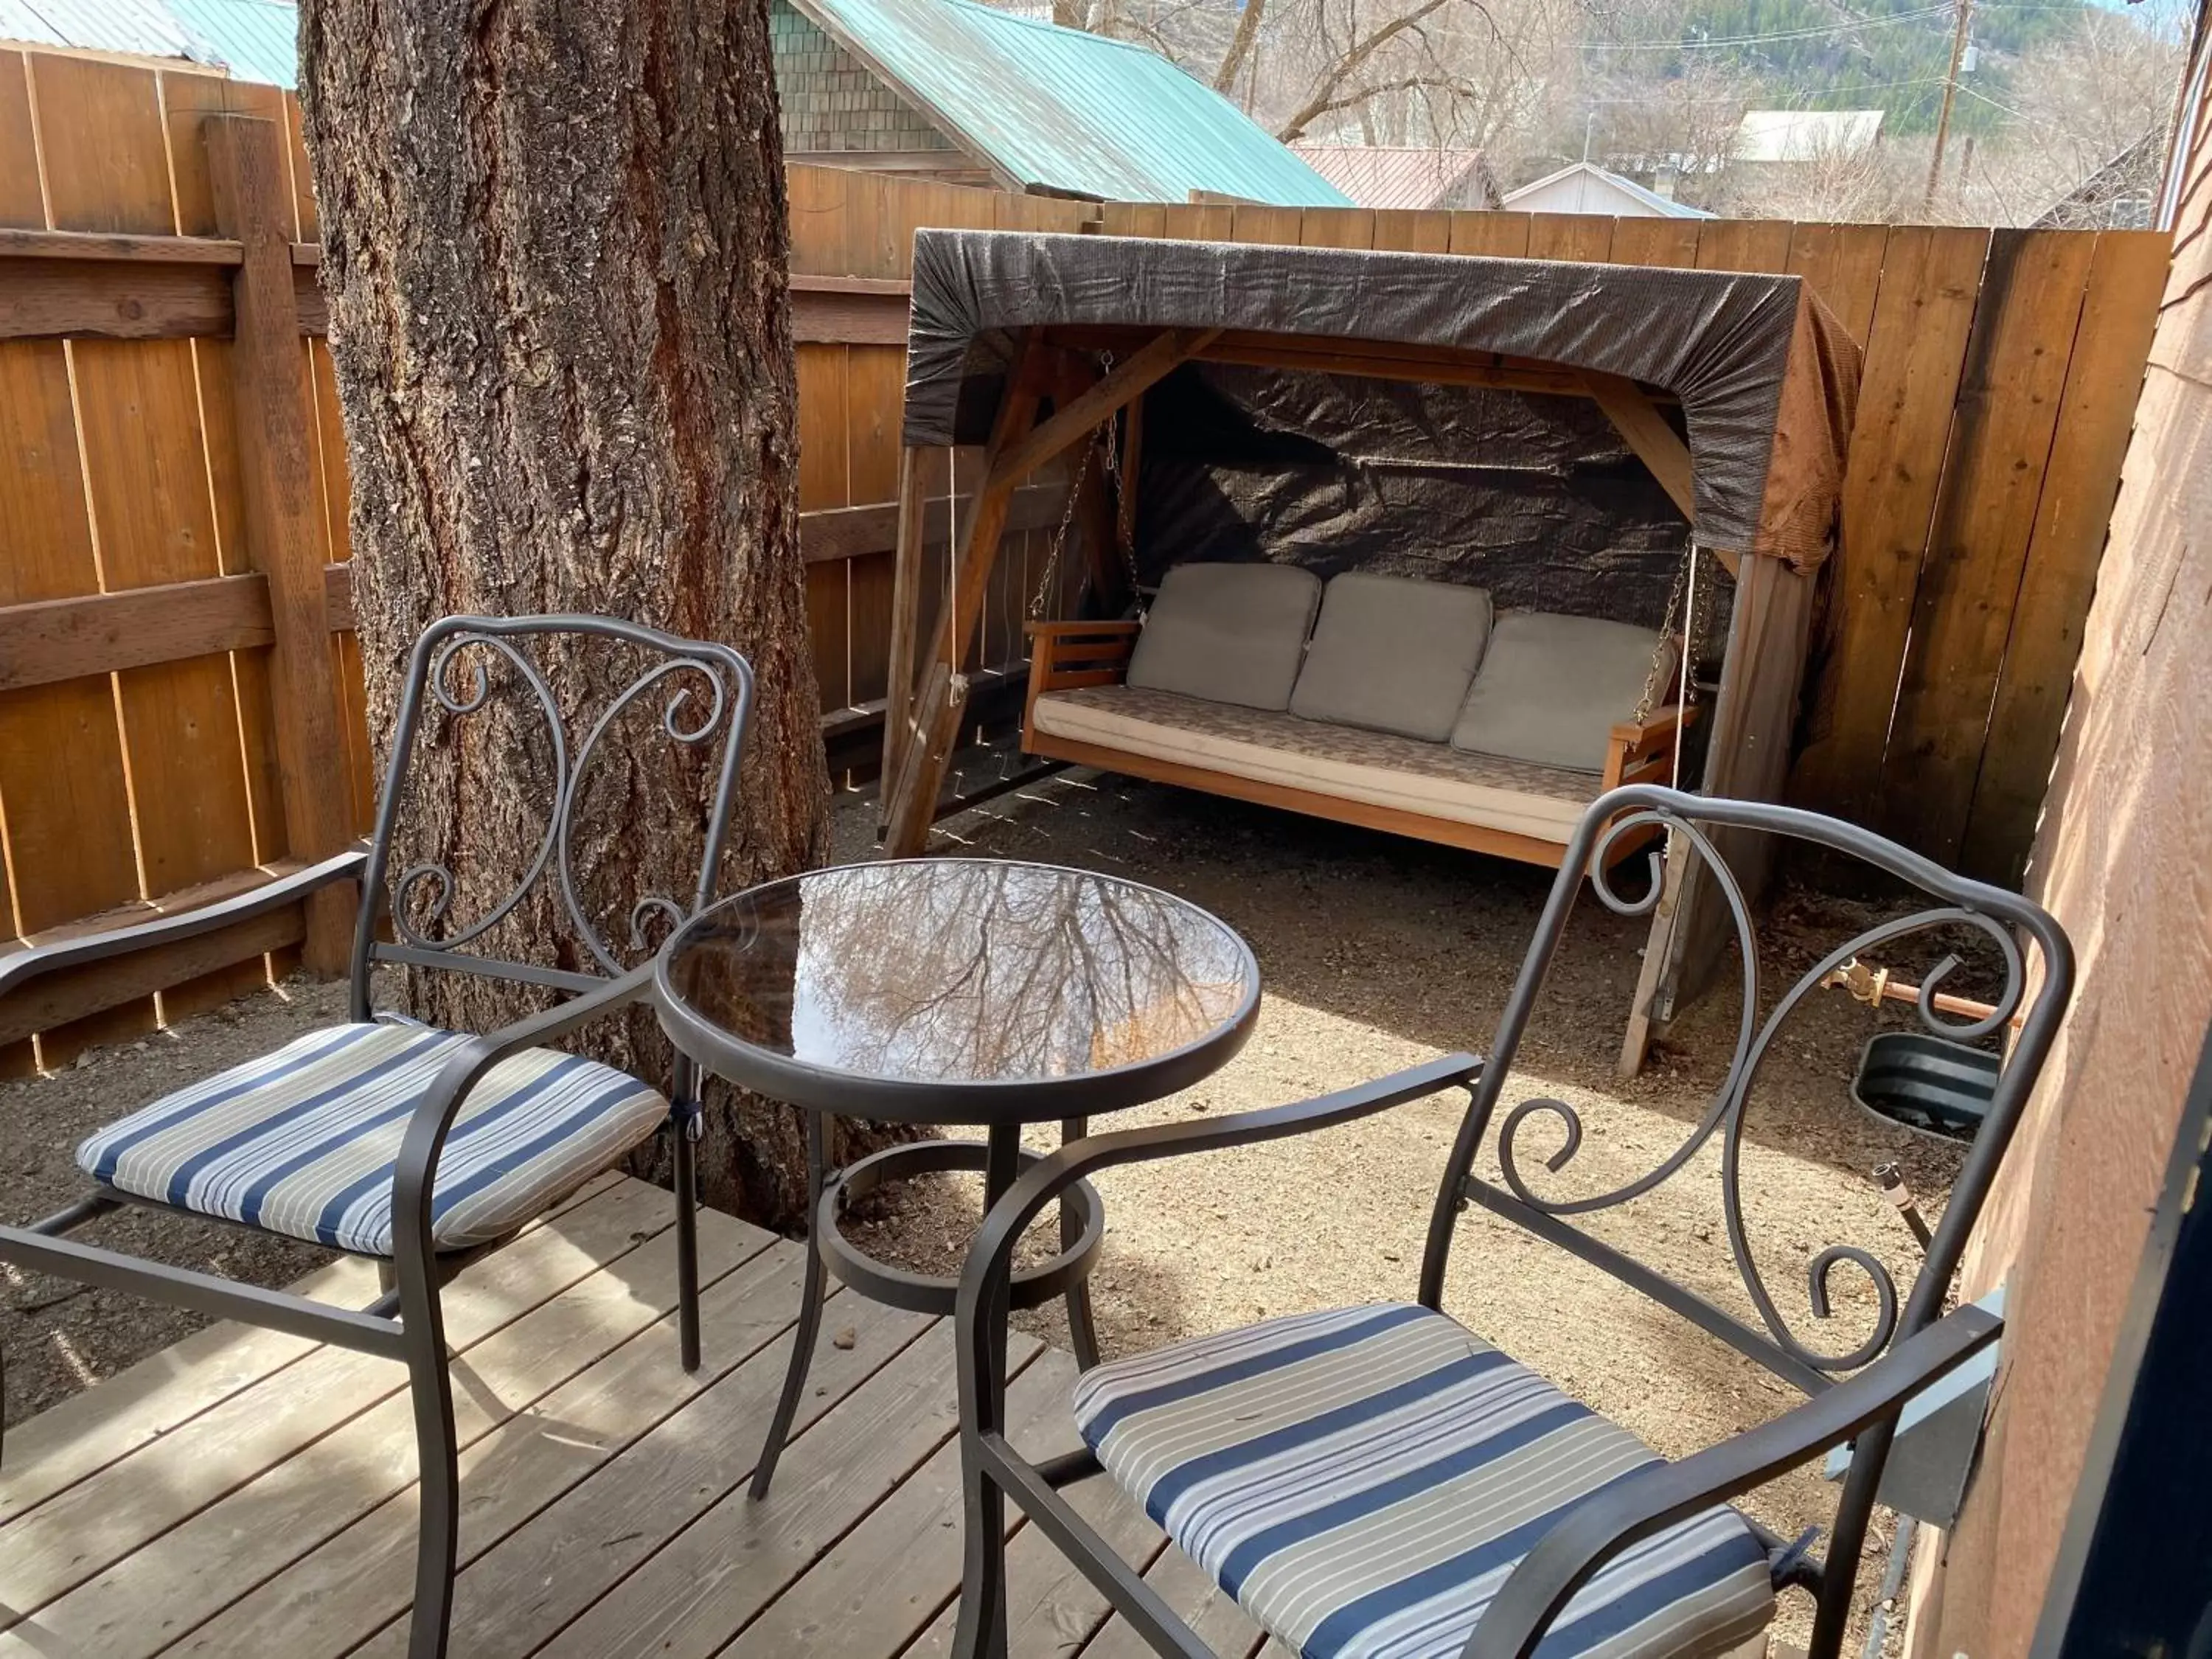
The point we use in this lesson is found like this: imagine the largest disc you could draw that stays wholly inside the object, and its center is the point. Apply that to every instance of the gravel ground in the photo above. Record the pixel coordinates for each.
(1375, 952)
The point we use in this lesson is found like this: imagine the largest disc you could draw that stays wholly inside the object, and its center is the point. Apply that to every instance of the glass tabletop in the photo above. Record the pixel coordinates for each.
(947, 974)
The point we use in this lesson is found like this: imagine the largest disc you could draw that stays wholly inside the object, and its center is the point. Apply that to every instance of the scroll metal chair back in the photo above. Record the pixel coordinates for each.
(1501, 1101)
(463, 668)
(1208, 1434)
(479, 668)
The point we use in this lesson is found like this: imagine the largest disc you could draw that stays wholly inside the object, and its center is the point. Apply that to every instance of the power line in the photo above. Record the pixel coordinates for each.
(1815, 32)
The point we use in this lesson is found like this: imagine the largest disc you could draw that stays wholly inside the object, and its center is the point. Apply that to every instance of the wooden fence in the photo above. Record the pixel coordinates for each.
(173, 499)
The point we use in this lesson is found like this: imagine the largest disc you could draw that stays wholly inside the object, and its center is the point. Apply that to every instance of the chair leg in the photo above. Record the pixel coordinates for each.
(812, 1292)
(687, 1242)
(438, 1456)
(981, 1630)
(1082, 1330)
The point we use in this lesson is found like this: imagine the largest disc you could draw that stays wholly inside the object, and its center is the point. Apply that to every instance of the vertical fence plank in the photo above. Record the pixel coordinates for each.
(1916, 348)
(2127, 274)
(1197, 221)
(1986, 512)
(1586, 236)
(1265, 224)
(1410, 230)
(1760, 245)
(152, 481)
(1493, 235)
(1843, 264)
(62, 784)
(1669, 242)
(875, 397)
(1337, 228)
(823, 419)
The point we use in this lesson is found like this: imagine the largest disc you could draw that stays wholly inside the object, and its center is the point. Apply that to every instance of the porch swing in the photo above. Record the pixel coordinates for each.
(1324, 456)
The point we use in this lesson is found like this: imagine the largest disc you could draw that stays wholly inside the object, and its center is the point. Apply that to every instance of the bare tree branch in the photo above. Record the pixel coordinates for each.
(1240, 45)
(1323, 98)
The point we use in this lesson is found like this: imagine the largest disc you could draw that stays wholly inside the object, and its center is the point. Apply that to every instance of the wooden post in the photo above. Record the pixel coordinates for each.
(253, 205)
(910, 798)
(907, 575)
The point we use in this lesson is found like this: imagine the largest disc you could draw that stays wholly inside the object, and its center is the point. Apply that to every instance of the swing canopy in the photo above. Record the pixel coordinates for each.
(1337, 407)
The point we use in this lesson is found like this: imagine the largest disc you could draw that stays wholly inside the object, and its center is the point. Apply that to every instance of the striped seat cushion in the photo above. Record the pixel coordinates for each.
(1363, 1481)
(303, 1142)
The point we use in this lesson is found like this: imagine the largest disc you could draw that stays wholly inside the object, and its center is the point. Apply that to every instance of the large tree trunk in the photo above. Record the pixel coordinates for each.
(555, 249)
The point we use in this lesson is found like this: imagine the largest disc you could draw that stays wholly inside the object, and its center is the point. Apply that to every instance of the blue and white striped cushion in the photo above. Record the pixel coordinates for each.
(1364, 1480)
(303, 1142)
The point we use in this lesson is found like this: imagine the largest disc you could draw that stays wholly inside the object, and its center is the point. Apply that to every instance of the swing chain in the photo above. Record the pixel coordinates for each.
(1110, 467)
(1675, 616)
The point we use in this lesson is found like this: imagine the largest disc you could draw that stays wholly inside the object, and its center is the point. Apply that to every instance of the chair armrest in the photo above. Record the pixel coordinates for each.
(1639, 752)
(989, 1268)
(24, 966)
(1054, 630)
(1065, 656)
(1659, 723)
(1567, 1555)
(433, 1113)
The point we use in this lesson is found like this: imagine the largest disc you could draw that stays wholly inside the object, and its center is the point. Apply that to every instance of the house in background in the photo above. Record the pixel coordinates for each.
(1396, 176)
(1801, 136)
(1585, 187)
(950, 90)
(2121, 195)
(247, 39)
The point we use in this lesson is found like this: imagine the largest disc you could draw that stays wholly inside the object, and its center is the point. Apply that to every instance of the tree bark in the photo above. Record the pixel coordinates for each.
(555, 247)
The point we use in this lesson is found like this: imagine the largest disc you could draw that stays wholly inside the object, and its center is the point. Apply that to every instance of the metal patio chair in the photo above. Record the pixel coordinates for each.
(388, 1139)
(1378, 1483)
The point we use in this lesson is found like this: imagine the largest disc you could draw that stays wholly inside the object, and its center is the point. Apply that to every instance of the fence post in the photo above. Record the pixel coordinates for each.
(253, 205)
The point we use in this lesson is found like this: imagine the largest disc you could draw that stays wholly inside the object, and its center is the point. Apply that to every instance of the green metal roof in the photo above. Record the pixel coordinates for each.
(1064, 111)
(259, 40)
(254, 39)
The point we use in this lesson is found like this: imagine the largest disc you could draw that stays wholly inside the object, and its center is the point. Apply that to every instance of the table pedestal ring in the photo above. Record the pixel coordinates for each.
(928, 1293)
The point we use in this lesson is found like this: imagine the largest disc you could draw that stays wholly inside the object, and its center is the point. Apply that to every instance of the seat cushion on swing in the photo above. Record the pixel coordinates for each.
(1364, 1480)
(1230, 633)
(304, 1141)
(1551, 688)
(1380, 768)
(1392, 654)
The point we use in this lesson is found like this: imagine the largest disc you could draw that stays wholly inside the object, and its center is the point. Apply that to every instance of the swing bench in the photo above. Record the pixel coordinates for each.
(1540, 447)
(1560, 447)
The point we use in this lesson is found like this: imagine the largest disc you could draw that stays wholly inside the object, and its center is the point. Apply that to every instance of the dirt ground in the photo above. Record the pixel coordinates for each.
(1375, 953)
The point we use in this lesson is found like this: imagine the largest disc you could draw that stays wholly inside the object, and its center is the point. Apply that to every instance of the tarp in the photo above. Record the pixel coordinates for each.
(1334, 473)
(1766, 378)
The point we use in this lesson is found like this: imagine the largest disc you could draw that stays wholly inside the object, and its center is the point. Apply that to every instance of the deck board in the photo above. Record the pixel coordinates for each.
(242, 1495)
(102, 1521)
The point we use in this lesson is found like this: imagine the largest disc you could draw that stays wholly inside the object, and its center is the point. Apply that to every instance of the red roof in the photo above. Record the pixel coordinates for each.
(1392, 176)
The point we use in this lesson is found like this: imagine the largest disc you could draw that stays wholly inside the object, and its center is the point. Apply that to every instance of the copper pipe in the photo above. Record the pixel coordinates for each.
(1874, 987)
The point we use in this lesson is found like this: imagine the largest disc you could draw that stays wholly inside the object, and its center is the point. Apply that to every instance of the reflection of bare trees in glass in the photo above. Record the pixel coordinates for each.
(957, 968)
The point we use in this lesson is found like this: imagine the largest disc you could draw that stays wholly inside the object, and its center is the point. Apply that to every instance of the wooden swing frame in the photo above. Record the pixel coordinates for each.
(1752, 714)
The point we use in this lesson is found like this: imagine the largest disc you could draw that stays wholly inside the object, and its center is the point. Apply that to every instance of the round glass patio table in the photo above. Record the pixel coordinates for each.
(985, 993)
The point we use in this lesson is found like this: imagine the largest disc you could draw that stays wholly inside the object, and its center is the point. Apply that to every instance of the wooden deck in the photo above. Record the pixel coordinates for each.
(246, 1493)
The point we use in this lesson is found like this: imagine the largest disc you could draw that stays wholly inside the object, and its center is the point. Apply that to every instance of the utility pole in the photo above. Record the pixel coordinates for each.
(1950, 97)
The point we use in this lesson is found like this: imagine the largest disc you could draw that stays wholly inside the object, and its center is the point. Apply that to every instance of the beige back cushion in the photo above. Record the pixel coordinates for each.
(1551, 688)
(1392, 654)
(1230, 633)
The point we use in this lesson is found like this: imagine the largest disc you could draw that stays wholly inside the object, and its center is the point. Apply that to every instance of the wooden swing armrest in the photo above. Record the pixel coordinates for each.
(1059, 629)
(1066, 655)
(1639, 750)
(1659, 723)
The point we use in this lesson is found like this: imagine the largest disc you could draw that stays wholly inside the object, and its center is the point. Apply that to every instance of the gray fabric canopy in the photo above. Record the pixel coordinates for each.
(1766, 378)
